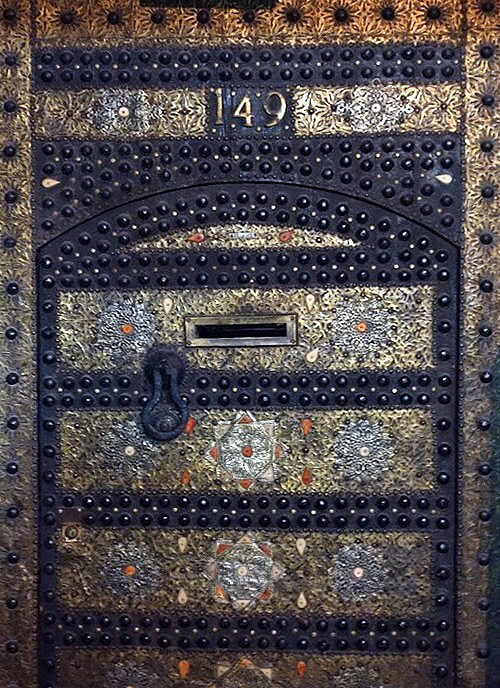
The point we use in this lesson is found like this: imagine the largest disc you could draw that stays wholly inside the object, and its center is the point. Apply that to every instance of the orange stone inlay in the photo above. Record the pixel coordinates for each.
(247, 450)
(301, 668)
(246, 483)
(183, 668)
(196, 238)
(307, 476)
(185, 477)
(190, 424)
(361, 327)
(220, 593)
(127, 328)
(129, 570)
(286, 235)
(306, 425)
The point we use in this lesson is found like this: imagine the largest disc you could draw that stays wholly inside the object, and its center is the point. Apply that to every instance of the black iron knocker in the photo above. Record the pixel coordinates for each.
(165, 415)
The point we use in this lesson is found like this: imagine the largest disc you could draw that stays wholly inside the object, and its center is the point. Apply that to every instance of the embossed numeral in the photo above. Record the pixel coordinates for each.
(244, 110)
(267, 110)
(275, 106)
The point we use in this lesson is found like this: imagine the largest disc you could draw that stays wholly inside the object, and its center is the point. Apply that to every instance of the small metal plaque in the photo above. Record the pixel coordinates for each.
(241, 330)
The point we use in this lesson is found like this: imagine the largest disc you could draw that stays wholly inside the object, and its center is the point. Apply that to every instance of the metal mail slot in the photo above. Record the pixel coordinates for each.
(241, 330)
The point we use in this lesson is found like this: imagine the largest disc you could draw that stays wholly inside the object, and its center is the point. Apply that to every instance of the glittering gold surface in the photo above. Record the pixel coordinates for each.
(461, 23)
(326, 336)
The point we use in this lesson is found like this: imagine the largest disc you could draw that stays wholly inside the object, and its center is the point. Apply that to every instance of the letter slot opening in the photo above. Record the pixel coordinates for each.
(241, 330)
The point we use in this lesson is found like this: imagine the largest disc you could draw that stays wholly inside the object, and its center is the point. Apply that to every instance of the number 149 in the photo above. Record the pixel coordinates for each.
(272, 104)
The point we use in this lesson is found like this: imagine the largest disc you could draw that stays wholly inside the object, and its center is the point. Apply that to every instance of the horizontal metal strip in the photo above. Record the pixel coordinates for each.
(155, 64)
(172, 631)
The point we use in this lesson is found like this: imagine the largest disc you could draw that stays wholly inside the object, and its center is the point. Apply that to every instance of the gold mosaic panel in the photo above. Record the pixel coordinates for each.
(369, 451)
(338, 328)
(150, 667)
(326, 111)
(264, 572)
(120, 113)
(244, 234)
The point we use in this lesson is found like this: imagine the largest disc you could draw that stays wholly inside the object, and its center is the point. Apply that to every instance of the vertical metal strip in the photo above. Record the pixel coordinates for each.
(18, 500)
(478, 349)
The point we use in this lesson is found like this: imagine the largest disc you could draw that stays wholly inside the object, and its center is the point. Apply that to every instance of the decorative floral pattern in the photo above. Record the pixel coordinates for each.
(118, 112)
(220, 669)
(125, 329)
(362, 451)
(204, 571)
(338, 327)
(330, 110)
(94, 452)
(245, 450)
(362, 327)
(359, 572)
(243, 572)
(131, 569)
(126, 451)
(123, 112)
(375, 110)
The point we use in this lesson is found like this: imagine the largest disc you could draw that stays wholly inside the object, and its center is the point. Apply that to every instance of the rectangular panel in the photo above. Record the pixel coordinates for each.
(336, 328)
(366, 451)
(115, 112)
(326, 111)
(255, 572)
(217, 670)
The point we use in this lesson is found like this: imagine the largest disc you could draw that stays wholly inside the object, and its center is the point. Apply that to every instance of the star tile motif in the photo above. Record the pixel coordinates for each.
(245, 451)
(243, 572)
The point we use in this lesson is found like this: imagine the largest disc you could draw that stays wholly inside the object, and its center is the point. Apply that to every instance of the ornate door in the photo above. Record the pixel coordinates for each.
(255, 318)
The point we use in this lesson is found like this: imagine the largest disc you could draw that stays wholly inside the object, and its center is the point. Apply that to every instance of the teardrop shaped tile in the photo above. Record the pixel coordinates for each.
(444, 178)
(312, 356)
(301, 601)
(300, 544)
(48, 182)
(168, 304)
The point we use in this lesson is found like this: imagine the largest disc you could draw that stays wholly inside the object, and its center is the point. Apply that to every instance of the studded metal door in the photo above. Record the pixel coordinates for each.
(252, 295)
